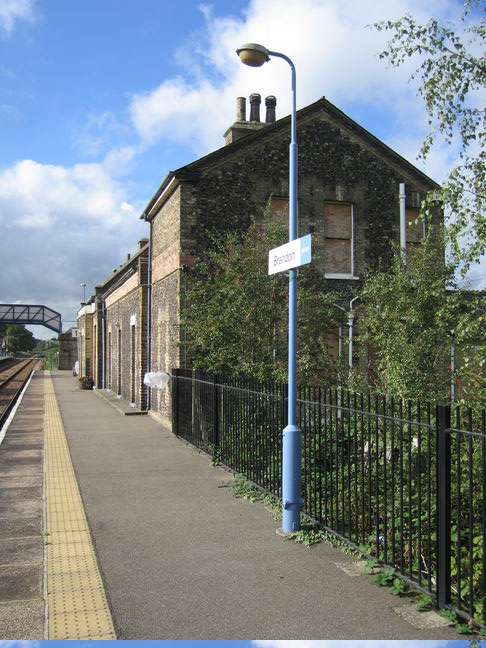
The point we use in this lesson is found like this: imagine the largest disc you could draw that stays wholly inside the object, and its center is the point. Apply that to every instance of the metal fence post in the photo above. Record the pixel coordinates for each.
(216, 411)
(175, 401)
(443, 505)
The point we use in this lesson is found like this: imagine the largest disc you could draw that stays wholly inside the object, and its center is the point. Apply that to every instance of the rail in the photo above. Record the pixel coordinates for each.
(12, 381)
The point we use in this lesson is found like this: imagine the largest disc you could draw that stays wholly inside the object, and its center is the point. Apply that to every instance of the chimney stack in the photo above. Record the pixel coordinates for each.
(241, 109)
(270, 103)
(241, 126)
(255, 101)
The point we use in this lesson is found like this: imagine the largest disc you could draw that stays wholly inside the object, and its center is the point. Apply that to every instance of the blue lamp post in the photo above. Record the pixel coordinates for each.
(256, 55)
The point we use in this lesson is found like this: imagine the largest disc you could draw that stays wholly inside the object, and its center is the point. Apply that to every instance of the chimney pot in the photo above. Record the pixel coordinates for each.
(255, 101)
(241, 109)
(270, 103)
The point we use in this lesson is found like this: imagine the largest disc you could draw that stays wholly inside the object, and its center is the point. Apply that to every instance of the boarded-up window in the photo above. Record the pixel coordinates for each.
(414, 227)
(332, 344)
(338, 238)
(280, 208)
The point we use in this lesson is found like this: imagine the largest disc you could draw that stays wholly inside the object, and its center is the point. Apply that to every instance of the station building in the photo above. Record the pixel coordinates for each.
(348, 200)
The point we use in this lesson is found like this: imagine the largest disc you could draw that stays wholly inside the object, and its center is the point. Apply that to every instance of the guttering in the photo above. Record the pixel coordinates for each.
(171, 182)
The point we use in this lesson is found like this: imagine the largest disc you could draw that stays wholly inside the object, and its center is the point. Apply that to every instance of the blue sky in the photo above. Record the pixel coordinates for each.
(100, 99)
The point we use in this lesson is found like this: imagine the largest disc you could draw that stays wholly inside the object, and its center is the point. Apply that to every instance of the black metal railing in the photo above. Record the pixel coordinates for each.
(394, 479)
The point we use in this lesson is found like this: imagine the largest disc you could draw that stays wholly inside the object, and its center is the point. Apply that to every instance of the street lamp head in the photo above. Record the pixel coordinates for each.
(252, 54)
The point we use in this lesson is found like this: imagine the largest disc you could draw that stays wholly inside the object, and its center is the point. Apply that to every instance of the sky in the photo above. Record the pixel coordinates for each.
(100, 99)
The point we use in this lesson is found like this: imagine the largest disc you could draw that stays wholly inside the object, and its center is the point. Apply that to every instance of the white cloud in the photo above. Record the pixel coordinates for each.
(13, 11)
(336, 58)
(74, 224)
(99, 134)
(61, 226)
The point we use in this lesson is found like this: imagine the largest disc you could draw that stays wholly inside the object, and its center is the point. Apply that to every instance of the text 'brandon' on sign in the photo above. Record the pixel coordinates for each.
(291, 255)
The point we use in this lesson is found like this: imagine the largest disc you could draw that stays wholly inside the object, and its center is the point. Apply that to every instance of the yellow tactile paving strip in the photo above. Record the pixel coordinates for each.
(76, 601)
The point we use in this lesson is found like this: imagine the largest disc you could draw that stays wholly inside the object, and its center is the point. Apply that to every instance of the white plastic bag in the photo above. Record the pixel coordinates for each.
(156, 379)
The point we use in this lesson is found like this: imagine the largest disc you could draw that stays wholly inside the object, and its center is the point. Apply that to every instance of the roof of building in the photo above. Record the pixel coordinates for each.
(124, 271)
(194, 170)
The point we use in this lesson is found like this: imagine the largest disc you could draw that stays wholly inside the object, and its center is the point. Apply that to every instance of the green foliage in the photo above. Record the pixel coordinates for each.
(411, 322)
(51, 360)
(407, 320)
(242, 488)
(215, 452)
(398, 587)
(425, 602)
(451, 74)
(372, 563)
(385, 577)
(236, 316)
(309, 534)
(18, 338)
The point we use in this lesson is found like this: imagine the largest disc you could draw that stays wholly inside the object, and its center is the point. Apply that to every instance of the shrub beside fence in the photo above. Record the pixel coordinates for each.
(399, 481)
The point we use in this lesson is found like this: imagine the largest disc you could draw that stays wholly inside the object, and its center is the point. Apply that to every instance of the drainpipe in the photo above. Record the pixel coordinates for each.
(351, 333)
(102, 344)
(340, 343)
(453, 368)
(403, 221)
(149, 309)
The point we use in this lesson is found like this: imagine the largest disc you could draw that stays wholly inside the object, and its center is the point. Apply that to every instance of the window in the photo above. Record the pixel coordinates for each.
(338, 240)
(414, 230)
(280, 208)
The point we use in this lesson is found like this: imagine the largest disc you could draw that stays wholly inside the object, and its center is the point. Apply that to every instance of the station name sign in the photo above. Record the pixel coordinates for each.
(291, 255)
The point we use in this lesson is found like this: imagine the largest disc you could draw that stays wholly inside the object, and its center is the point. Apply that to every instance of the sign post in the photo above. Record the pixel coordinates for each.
(290, 255)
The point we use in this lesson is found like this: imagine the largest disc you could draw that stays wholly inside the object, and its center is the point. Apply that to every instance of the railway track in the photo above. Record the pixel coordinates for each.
(13, 376)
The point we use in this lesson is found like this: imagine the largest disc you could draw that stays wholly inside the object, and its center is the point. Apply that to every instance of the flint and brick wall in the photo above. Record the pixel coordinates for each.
(125, 308)
(337, 163)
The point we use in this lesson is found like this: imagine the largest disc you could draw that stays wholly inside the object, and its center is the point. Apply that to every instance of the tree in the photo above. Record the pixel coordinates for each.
(411, 322)
(407, 322)
(235, 315)
(452, 76)
(19, 338)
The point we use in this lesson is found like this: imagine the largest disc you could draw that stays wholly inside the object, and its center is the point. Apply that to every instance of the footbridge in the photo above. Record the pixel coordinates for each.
(30, 314)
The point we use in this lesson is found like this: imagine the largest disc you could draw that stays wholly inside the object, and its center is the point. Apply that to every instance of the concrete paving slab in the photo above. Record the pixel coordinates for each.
(21, 582)
(22, 620)
(23, 444)
(20, 480)
(16, 470)
(421, 619)
(19, 456)
(21, 551)
(120, 405)
(20, 493)
(18, 527)
(25, 508)
(183, 559)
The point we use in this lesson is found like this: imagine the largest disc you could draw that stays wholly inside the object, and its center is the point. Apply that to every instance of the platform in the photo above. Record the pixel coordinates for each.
(142, 541)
